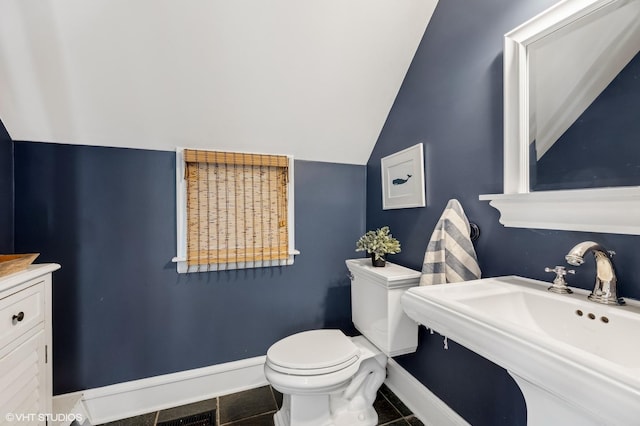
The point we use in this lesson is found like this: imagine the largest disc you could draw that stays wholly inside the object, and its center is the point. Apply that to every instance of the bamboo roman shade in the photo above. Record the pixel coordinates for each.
(237, 207)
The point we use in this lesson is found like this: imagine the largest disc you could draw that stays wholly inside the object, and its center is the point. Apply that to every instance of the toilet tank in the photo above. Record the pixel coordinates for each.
(375, 305)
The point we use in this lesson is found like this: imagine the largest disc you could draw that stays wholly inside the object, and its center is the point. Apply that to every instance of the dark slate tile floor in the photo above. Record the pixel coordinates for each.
(255, 407)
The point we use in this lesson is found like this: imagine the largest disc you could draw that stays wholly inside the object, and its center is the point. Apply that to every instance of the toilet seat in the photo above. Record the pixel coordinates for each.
(312, 353)
(316, 397)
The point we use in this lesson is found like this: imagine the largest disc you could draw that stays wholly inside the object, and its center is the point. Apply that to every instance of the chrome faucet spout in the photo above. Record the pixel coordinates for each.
(606, 286)
(575, 256)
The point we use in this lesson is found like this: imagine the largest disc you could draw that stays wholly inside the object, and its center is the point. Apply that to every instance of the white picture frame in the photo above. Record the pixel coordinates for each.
(403, 179)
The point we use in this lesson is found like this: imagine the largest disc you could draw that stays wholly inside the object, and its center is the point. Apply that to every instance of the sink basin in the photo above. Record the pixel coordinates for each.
(576, 361)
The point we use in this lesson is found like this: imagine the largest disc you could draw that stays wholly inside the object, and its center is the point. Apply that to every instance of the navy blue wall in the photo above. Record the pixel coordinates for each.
(6, 191)
(451, 100)
(121, 312)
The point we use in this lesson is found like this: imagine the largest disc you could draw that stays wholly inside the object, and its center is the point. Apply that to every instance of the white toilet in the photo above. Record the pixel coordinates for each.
(329, 379)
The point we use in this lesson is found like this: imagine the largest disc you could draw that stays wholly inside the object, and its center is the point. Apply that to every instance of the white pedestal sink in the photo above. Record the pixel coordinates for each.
(577, 362)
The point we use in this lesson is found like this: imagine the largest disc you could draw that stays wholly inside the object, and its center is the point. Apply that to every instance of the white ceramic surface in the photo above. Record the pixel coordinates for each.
(575, 361)
(328, 379)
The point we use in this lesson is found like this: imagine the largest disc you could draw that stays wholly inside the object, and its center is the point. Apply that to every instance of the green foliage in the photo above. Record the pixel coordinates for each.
(378, 243)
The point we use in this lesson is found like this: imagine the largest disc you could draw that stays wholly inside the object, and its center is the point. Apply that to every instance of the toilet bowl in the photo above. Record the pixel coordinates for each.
(323, 376)
(329, 379)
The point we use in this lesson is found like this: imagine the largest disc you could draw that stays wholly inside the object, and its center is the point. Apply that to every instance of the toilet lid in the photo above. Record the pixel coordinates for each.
(313, 352)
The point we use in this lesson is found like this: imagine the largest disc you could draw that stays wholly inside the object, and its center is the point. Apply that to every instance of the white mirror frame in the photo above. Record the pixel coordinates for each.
(609, 210)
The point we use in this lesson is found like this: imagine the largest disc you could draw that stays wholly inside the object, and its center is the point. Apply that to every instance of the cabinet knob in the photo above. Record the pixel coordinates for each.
(18, 318)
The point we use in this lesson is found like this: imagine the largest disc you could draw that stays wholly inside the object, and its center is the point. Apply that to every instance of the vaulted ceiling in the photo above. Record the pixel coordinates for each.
(314, 78)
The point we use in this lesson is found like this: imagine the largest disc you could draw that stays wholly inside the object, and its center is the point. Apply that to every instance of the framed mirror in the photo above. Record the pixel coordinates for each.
(558, 67)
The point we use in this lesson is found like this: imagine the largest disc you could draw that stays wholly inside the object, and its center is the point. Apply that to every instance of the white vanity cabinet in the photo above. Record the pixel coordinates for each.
(26, 389)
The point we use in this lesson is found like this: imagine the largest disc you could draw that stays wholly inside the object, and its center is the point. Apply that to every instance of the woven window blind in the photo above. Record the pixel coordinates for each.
(237, 207)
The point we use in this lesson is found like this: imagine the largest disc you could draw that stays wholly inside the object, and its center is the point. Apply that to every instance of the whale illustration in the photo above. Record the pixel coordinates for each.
(400, 181)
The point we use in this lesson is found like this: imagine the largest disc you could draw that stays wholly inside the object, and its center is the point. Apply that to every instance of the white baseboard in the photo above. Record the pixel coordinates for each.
(128, 399)
(67, 408)
(427, 407)
(137, 397)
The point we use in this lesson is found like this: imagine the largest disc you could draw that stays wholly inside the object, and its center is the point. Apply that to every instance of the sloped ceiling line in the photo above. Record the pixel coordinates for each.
(314, 79)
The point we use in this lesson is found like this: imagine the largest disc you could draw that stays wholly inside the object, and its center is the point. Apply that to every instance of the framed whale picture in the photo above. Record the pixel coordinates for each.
(403, 179)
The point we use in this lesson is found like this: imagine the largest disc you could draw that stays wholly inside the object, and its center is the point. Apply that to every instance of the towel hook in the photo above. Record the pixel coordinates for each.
(474, 232)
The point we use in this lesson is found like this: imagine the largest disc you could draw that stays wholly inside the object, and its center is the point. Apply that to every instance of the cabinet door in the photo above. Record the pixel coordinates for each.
(23, 383)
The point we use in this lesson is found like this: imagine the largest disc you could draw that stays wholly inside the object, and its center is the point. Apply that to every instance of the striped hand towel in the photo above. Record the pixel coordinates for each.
(450, 256)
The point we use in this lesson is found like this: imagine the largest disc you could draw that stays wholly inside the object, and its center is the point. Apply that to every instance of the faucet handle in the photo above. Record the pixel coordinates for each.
(559, 284)
(560, 271)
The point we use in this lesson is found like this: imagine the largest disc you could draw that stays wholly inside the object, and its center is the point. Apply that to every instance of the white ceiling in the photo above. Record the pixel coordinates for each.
(314, 78)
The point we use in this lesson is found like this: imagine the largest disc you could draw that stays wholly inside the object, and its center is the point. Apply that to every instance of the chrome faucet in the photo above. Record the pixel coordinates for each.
(605, 290)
